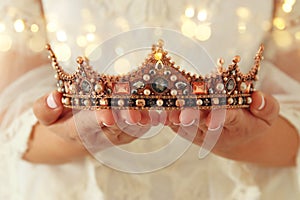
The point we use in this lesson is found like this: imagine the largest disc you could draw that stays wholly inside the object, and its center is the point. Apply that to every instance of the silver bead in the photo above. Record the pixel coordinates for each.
(199, 102)
(159, 102)
(173, 78)
(173, 92)
(146, 77)
(147, 92)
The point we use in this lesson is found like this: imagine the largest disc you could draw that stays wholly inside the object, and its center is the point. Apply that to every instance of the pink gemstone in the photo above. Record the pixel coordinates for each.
(122, 88)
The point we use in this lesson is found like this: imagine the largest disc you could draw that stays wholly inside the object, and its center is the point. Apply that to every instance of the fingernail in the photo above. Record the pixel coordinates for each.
(189, 124)
(215, 129)
(107, 125)
(176, 124)
(51, 102)
(263, 103)
(129, 123)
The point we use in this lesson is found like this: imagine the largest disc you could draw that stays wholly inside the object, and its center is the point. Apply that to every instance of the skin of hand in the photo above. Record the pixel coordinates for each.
(62, 127)
(256, 135)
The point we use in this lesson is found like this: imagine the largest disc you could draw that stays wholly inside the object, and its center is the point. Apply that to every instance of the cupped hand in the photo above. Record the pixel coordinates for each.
(225, 131)
(97, 130)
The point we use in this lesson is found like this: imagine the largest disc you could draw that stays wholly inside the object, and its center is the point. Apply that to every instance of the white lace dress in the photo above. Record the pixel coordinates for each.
(190, 178)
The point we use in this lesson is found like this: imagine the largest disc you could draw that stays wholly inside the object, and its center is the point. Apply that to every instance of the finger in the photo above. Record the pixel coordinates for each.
(265, 107)
(216, 119)
(130, 117)
(174, 117)
(48, 108)
(189, 116)
(155, 118)
(105, 117)
(145, 118)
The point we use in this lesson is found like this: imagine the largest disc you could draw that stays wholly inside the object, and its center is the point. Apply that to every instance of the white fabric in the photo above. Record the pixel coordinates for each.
(189, 177)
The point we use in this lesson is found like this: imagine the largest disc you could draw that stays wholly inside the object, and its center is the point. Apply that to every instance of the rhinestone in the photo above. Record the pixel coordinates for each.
(159, 85)
(138, 84)
(158, 56)
(225, 78)
(167, 73)
(216, 101)
(238, 79)
(211, 91)
(98, 88)
(185, 92)
(243, 86)
(147, 92)
(108, 90)
(220, 86)
(86, 86)
(146, 77)
(72, 88)
(134, 91)
(199, 88)
(103, 102)
(199, 102)
(241, 100)
(173, 78)
(173, 92)
(140, 102)
(230, 85)
(152, 72)
(87, 102)
(230, 101)
(180, 85)
(249, 100)
(121, 102)
(159, 65)
(159, 102)
(180, 102)
(122, 88)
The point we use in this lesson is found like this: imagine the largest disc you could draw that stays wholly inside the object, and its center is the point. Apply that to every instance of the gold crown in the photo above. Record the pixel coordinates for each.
(157, 84)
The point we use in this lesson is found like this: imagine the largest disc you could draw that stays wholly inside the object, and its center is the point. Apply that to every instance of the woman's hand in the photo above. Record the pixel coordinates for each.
(81, 130)
(256, 135)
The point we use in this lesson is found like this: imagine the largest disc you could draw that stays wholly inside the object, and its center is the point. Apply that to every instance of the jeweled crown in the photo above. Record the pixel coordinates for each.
(157, 84)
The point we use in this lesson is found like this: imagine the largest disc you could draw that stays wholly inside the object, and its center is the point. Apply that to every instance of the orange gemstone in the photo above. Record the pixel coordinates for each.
(199, 88)
(122, 88)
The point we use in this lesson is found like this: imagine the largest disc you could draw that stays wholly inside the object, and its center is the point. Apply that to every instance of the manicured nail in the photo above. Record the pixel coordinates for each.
(107, 125)
(263, 103)
(51, 102)
(189, 124)
(129, 123)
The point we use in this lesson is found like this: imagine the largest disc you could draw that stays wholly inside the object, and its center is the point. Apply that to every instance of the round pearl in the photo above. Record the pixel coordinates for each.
(243, 86)
(146, 77)
(159, 102)
(249, 100)
(230, 101)
(173, 78)
(199, 102)
(173, 92)
(147, 92)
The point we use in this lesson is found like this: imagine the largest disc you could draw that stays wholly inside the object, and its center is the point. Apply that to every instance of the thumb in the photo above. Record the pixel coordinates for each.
(48, 108)
(265, 107)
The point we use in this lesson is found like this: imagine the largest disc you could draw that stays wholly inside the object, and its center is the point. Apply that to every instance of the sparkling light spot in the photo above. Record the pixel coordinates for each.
(34, 28)
(243, 12)
(2, 27)
(290, 2)
(203, 32)
(19, 25)
(287, 8)
(242, 28)
(62, 51)
(5, 43)
(91, 28)
(36, 44)
(282, 38)
(90, 37)
(81, 41)
(61, 36)
(188, 28)
(202, 15)
(52, 27)
(122, 66)
(189, 12)
(279, 23)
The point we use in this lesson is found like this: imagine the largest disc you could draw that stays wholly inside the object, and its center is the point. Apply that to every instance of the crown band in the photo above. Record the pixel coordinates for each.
(157, 84)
